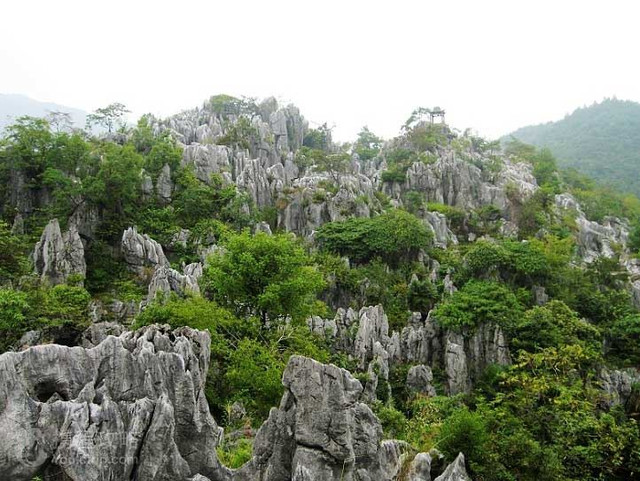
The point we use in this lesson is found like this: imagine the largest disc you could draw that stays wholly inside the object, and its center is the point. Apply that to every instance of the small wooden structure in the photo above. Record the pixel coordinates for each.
(436, 112)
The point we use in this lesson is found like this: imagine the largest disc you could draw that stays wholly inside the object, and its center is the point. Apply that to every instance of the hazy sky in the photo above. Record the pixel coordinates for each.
(493, 65)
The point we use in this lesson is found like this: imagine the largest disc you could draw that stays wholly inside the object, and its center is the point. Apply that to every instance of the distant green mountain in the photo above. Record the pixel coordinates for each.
(602, 141)
(13, 106)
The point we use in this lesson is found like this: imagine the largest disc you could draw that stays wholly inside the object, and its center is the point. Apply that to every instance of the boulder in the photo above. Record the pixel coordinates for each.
(420, 379)
(141, 252)
(57, 256)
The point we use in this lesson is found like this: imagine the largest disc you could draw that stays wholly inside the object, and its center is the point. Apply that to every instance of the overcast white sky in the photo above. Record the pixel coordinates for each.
(493, 65)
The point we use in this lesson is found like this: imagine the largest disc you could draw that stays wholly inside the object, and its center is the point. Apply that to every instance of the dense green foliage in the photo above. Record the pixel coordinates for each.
(479, 302)
(394, 235)
(263, 275)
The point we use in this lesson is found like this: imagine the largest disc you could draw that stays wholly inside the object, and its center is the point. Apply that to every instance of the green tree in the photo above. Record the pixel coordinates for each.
(13, 261)
(422, 295)
(269, 276)
(554, 325)
(108, 117)
(14, 311)
(368, 145)
(318, 139)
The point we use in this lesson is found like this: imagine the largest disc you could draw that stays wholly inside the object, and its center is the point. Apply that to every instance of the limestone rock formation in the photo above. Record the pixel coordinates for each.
(365, 337)
(166, 280)
(133, 407)
(618, 384)
(58, 255)
(164, 184)
(455, 471)
(457, 182)
(208, 160)
(419, 379)
(141, 251)
(323, 432)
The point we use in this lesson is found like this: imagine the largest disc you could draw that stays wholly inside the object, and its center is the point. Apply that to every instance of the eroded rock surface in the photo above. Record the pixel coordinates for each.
(133, 407)
(322, 431)
(140, 251)
(58, 255)
(365, 336)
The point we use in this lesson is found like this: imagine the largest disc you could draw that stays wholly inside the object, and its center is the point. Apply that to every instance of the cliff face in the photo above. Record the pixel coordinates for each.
(132, 407)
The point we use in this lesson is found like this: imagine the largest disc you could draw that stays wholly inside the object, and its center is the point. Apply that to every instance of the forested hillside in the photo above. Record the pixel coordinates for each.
(484, 301)
(602, 141)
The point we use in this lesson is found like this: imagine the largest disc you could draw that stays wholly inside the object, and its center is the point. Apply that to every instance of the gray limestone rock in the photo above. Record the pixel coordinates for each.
(456, 471)
(164, 184)
(166, 280)
(140, 251)
(420, 468)
(618, 384)
(146, 185)
(254, 179)
(540, 296)
(321, 431)
(207, 160)
(58, 255)
(132, 407)
(262, 227)
(455, 363)
(373, 327)
(442, 235)
(98, 332)
(419, 380)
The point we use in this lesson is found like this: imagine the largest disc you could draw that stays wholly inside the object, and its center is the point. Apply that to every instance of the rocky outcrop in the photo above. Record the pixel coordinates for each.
(619, 387)
(365, 337)
(322, 431)
(207, 160)
(461, 183)
(420, 379)
(58, 255)
(594, 239)
(133, 407)
(442, 235)
(164, 185)
(140, 251)
(606, 239)
(455, 471)
(166, 280)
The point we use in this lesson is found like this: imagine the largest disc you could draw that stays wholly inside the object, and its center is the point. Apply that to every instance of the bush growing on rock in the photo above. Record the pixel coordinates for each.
(270, 276)
(479, 302)
(394, 235)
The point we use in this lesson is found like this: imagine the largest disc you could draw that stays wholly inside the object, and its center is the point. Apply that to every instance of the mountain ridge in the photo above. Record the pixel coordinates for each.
(601, 140)
(13, 106)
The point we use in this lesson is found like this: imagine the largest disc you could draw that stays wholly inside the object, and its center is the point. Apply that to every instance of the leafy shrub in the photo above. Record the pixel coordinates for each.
(14, 310)
(267, 275)
(554, 325)
(422, 295)
(479, 302)
(234, 455)
(393, 235)
(464, 431)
